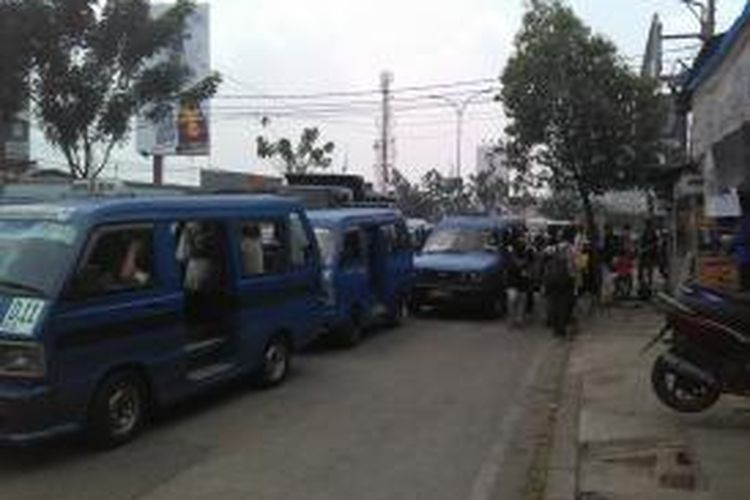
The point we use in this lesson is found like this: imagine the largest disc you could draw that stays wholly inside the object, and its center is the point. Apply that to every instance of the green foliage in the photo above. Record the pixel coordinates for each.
(436, 195)
(575, 109)
(561, 205)
(300, 158)
(93, 66)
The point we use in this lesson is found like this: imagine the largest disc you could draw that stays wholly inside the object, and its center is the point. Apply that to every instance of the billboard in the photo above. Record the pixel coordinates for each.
(184, 131)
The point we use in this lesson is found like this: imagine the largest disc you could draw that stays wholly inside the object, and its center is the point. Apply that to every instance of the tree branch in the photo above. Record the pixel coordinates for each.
(105, 158)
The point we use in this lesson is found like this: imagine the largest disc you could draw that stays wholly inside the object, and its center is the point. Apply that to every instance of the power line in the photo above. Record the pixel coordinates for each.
(322, 111)
(355, 93)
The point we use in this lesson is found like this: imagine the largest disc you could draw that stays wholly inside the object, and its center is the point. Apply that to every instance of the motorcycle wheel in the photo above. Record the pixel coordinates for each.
(681, 393)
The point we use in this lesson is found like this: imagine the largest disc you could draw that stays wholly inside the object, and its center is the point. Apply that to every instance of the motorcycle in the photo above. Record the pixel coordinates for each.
(707, 332)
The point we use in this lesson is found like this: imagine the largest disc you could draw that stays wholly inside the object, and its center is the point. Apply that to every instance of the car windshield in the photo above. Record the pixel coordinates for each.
(458, 240)
(326, 243)
(24, 245)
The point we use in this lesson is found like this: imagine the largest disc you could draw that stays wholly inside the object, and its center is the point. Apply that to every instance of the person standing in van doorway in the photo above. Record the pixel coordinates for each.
(252, 249)
(560, 282)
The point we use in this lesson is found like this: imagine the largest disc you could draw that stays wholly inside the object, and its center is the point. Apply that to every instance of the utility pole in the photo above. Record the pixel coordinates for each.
(158, 169)
(705, 13)
(385, 144)
(708, 25)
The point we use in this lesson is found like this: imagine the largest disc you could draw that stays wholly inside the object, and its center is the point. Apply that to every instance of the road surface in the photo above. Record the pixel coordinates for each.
(438, 408)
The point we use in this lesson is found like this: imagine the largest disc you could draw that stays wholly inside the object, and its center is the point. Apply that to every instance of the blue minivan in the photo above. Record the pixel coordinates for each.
(368, 268)
(463, 263)
(111, 306)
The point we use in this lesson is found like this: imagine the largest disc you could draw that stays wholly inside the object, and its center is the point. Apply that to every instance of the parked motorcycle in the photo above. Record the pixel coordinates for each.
(708, 334)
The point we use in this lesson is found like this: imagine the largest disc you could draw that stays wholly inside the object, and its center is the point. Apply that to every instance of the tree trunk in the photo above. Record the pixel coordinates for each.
(593, 236)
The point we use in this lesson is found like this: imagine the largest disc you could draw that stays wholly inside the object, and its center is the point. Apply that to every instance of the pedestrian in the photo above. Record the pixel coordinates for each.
(647, 255)
(662, 259)
(519, 280)
(560, 282)
(609, 251)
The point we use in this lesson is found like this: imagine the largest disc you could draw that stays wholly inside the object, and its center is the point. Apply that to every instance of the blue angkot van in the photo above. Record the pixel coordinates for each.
(463, 262)
(367, 268)
(111, 306)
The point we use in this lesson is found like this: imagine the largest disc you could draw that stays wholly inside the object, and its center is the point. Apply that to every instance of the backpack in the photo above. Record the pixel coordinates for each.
(557, 271)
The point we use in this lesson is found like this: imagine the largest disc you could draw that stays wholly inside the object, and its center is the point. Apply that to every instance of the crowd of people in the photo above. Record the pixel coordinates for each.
(558, 265)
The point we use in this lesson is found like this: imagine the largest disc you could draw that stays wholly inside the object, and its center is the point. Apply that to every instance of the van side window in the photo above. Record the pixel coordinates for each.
(117, 259)
(300, 245)
(352, 251)
(262, 247)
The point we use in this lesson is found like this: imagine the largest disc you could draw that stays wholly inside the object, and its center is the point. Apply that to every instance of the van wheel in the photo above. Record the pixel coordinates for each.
(350, 334)
(118, 409)
(277, 361)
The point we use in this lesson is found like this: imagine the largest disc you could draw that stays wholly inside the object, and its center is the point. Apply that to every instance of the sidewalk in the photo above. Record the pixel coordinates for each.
(614, 440)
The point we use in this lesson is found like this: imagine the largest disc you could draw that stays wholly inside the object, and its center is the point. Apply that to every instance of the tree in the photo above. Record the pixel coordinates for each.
(299, 159)
(410, 198)
(93, 66)
(561, 205)
(450, 195)
(575, 109)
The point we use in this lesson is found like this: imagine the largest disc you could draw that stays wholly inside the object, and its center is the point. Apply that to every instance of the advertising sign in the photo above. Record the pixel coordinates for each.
(185, 130)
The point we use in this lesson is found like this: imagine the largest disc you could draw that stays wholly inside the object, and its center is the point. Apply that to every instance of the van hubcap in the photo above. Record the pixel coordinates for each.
(124, 408)
(276, 361)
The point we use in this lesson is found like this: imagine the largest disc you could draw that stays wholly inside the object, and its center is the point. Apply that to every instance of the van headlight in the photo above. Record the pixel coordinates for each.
(22, 359)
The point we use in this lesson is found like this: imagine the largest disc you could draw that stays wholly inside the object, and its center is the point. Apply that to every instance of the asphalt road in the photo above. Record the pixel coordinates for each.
(435, 409)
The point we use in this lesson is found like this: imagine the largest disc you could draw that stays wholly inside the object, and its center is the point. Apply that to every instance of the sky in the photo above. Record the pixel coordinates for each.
(323, 46)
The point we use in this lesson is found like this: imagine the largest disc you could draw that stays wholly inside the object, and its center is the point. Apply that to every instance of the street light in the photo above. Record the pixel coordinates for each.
(459, 106)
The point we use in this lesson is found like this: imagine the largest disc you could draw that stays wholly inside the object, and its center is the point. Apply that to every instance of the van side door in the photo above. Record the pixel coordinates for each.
(278, 282)
(352, 281)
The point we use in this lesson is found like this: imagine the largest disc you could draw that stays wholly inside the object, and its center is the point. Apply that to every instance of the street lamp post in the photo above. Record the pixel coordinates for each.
(460, 108)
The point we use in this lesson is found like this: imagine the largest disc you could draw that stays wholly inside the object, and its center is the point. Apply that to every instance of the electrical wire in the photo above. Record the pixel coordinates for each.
(356, 93)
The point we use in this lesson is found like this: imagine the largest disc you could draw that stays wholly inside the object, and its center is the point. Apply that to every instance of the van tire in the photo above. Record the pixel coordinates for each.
(277, 362)
(118, 409)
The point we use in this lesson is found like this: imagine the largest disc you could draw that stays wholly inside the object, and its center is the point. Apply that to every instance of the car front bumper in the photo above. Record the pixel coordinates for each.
(28, 414)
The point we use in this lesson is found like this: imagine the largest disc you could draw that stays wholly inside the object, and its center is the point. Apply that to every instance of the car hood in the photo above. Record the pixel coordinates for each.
(461, 262)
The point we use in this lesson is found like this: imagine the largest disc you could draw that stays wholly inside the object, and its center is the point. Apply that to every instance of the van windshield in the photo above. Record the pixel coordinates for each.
(24, 245)
(459, 240)
(326, 243)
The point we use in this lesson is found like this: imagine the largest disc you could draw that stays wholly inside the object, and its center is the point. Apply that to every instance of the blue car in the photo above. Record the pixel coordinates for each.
(111, 306)
(463, 263)
(368, 268)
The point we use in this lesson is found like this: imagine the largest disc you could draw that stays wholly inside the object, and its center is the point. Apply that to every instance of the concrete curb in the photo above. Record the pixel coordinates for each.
(562, 466)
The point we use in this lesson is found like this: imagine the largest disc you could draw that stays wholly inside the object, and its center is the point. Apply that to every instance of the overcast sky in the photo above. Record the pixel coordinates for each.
(303, 46)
